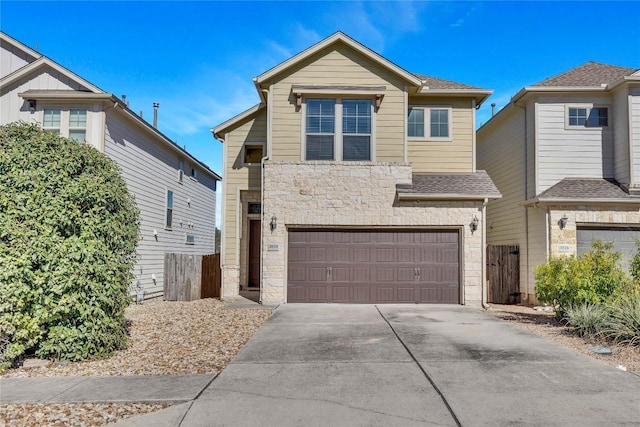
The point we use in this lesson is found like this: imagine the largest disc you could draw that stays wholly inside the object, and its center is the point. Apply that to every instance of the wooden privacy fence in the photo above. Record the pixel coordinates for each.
(191, 277)
(504, 274)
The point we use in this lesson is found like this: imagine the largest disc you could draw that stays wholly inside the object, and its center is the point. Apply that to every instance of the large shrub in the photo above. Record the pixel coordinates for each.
(68, 232)
(591, 278)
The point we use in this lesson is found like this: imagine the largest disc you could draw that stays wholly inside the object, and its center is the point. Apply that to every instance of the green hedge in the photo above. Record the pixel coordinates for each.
(68, 233)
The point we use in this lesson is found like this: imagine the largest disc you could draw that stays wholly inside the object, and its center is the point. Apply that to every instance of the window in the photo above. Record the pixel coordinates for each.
(429, 122)
(320, 129)
(51, 121)
(78, 125)
(253, 154)
(190, 239)
(254, 208)
(356, 129)
(169, 216)
(415, 122)
(180, 170)
(338, 129)
(588, 117)
(194, 173)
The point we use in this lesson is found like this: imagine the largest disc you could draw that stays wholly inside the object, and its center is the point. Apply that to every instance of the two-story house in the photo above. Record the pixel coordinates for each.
(175, 192)
(354, 180)
(565, 154)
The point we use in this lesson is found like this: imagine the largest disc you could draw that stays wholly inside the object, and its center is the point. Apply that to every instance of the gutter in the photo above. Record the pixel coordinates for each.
(420, 196)
(536, 201)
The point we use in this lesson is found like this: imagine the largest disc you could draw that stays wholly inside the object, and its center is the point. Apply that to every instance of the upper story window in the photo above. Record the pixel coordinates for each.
(194, 173)
(587, 117)
(338, 129)
(180, 170)
(51, 120)
(252, 154)
(78, 124)
(429, 123)
(169, 213)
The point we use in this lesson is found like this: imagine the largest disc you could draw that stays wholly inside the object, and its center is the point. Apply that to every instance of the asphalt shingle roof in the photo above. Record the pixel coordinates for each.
(588, 74)
(585, 188)
(436, 83)
(462, 184)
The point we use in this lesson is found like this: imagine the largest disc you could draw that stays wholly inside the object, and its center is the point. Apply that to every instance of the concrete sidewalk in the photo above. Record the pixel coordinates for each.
(169, 389)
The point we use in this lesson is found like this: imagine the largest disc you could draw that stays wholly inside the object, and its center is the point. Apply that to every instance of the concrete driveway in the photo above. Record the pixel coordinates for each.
(363, 365)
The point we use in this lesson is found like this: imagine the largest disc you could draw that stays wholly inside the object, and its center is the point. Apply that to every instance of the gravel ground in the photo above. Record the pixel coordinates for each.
(546, 325)
(167, 338)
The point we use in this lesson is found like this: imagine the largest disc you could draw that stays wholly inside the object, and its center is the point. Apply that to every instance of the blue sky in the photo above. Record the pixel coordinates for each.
(197, 59)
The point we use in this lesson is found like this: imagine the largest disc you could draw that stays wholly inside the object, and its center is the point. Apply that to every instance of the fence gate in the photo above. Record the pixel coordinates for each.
(191, 277)
(504, 274)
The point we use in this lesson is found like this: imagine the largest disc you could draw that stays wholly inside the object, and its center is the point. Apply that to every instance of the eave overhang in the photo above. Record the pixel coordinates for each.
(218, 131)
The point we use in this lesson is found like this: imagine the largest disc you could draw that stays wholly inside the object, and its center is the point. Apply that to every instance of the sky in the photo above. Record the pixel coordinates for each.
(198, 58)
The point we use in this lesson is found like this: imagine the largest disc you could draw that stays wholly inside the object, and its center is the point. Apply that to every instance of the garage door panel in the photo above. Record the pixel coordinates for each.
(374, 266)
(623, 239)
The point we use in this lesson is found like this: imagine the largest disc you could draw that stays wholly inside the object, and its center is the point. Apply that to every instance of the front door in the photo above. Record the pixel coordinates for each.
(254, 253)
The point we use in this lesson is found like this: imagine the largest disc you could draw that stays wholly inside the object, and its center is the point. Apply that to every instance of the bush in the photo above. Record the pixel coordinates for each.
(623, 325)
(587, 319)
(68, 232)
(590, 279)
(634, 265)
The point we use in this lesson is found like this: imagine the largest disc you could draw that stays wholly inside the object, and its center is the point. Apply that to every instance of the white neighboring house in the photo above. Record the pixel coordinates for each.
(175, 192)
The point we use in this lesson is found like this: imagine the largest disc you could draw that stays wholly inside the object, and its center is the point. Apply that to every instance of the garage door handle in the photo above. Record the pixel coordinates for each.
(329, 272)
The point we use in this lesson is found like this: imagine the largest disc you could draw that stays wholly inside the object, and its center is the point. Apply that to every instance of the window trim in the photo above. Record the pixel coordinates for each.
(337, 131)
(194, 173)
(243, 152)
(75, 128)
(60, 120)
(427, 123)
(180, 171)
(586, 126)
(168, 225)
(186, 239)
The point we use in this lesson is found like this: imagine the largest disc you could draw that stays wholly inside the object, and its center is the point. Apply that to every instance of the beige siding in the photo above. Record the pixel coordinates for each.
(338, 65)
(620, 122)
(239, 177)
(150, 169)
(501, 152)
(566, 152)
(455, 155)
(634, 139)
(531, 125)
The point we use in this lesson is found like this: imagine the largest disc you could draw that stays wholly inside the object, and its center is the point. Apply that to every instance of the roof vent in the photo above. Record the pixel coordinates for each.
(155, 114)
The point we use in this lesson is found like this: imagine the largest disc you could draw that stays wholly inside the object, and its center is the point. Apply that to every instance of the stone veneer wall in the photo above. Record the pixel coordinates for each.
(582, 215)
(355, 194)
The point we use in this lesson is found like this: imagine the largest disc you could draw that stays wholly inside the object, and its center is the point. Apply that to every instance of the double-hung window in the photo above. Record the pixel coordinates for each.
(587, 117)
(429, 123)
(51, 120)
(338, 129)
(321, 125)
(78, 124)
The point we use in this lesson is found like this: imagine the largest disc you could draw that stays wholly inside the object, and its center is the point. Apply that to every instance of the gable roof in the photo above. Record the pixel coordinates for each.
(437, 83)
(93, 93)
(17, 44)
(588, 74)
(337, 37)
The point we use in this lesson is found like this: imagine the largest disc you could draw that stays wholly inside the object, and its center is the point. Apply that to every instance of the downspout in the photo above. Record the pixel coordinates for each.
(484, 254)
(404, 121)
(474, 107)
(263, 213)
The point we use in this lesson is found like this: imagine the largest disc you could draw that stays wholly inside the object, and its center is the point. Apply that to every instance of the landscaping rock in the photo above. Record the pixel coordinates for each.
(601, 350)
(35, 363)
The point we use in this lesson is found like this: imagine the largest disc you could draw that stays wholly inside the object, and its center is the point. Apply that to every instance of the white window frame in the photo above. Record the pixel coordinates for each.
(186, 239)
(251, 144)
(180, 171)
(588, 108)
(76, 128)
(427, 123)
(167, 225)
(194, 173)
(337, 131)
(54, 129)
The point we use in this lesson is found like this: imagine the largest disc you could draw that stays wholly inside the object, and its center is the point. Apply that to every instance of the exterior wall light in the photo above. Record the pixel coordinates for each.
(274, 223)
(474, 224)
(32, 105)
(562, 222)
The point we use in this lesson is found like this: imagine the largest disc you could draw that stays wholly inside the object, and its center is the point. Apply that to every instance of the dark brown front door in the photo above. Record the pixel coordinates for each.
(254, 253)
(374, 266)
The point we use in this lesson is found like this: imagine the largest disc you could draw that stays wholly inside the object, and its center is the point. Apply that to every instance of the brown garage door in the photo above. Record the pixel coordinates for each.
(374, 266)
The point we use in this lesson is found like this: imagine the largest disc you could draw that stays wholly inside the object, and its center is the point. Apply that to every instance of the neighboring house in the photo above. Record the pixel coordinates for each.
(354, 180)
(176, 193)
(565, 154)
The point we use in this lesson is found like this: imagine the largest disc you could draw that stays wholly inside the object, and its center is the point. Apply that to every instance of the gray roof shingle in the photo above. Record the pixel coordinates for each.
(454, 184)
(436, 83)
(587, 189)
(588, 74)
